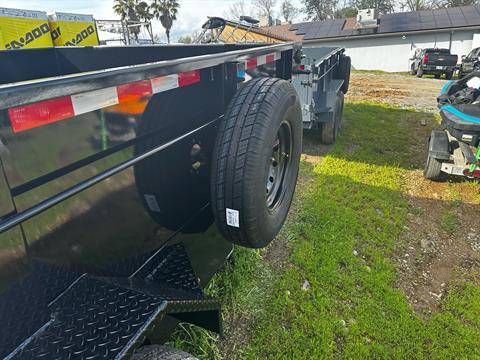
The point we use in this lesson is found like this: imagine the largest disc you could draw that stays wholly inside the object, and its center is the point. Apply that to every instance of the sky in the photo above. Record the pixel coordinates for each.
(191, 16)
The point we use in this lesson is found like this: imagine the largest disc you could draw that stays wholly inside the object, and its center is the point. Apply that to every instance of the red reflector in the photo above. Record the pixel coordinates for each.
(133, 91)
(188, 78)
(270, 58)
(30, 116)
(476, 173)
(251, 63)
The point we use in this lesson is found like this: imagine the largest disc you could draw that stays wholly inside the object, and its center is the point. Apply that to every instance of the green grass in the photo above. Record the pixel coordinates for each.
(241, 284)
(342, 240)
(449, 221)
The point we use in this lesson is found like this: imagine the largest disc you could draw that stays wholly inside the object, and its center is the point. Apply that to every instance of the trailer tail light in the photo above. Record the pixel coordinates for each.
(301, 69)
(425, 58)
(472, 174)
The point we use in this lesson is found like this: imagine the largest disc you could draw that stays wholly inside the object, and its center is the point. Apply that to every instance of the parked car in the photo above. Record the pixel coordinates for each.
(434, 61)
(469, 63)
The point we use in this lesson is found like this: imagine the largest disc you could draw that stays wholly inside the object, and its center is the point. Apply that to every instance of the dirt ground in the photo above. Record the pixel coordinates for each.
(441, 242)
(400, 90)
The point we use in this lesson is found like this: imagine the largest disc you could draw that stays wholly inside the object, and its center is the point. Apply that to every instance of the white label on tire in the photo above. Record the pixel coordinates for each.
(233, 218)
(152, 202)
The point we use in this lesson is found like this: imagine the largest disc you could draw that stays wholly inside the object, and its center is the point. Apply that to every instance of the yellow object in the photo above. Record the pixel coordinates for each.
(232, 35)
(73, 30)
(22, 29)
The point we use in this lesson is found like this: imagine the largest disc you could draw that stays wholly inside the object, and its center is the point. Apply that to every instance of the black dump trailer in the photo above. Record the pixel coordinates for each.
(127, 175)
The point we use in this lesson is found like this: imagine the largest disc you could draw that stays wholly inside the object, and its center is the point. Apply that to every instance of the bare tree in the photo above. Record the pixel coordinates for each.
(265, 7)
(289, 12)
(320, 9)
(345, 12)
(236, 10)
(453, 3)
(383, 6)
(416, 5)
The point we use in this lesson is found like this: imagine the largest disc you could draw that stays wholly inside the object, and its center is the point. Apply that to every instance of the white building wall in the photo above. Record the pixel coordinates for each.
(393, 53)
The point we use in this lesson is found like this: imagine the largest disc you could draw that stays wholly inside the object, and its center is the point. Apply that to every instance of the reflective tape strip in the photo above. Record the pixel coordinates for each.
(94, 100)
(164, 83)
(188, 78)
(29, 116)
(251, 63)
(262, 60)
(45, 112)
(134, 91)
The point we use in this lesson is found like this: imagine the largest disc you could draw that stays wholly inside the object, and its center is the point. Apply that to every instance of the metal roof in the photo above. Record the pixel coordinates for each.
(425, 20)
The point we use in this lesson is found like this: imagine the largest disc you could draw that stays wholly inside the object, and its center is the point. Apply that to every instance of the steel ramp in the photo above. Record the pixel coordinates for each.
(98, 317)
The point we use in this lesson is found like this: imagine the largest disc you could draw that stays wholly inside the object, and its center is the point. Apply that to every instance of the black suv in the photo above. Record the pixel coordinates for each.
(434, 61)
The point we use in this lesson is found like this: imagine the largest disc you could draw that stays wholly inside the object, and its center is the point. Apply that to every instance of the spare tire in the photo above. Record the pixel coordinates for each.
(256, 160)
(344, 71)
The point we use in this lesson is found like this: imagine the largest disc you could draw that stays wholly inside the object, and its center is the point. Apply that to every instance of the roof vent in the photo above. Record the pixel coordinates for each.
(367, 18)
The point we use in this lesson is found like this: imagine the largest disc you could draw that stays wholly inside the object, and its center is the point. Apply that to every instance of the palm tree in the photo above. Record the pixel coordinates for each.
(132, 12)
(165, 11)
(142, 10)
(127, 9)
(124, 8)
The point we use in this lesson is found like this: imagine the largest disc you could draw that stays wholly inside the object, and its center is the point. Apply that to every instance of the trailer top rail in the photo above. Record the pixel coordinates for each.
(68, 71)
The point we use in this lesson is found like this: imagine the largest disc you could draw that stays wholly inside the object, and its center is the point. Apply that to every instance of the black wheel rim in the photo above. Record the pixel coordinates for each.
(279, 166)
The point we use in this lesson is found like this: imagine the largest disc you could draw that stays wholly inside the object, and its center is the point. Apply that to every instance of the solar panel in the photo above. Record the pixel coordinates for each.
(428, 25)
(397, 22)
(415, 26)
(385, 28)
(336, 28)
(471, 15)
(305, 28)
(441, 18)
(426, 17)
(456, 17)
(323, 29)
(347, 32)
